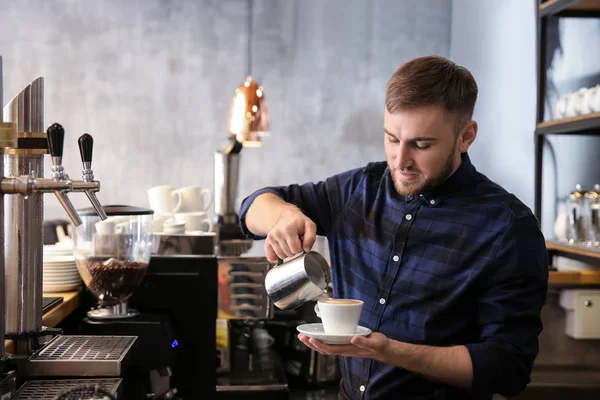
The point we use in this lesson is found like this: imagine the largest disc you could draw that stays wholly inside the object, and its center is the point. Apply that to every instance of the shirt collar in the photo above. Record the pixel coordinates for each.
(462, 177)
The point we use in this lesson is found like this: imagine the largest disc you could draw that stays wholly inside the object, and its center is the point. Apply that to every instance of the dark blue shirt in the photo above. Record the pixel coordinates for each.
(464, 264)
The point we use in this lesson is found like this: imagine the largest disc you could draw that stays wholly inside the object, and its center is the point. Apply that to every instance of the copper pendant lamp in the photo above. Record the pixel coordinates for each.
(249, 118)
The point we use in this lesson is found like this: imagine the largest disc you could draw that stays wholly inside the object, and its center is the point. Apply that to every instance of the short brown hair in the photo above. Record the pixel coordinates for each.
(432, 80)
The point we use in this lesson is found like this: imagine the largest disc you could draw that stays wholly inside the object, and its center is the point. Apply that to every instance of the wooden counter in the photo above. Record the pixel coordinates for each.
(56, 314)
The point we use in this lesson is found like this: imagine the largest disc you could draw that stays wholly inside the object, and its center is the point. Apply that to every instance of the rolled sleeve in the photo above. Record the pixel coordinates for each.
(245, 206)
(322, 202)
(513, 292)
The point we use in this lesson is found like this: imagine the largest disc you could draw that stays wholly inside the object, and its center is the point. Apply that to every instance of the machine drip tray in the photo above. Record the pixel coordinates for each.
(80, 356)
(49, 389)
(267, 374)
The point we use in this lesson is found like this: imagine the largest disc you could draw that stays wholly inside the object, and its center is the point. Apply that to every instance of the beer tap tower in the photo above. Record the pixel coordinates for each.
(23, 145)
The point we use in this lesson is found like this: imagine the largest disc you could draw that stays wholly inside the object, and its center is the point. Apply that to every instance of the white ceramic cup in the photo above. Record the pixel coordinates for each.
(594, 101)
(339, 316)
(195, 221)
(158, 221)
(106, 227)
(172, 226)
(164, 199)
(194, 198)
(561, 107)
(109, 225)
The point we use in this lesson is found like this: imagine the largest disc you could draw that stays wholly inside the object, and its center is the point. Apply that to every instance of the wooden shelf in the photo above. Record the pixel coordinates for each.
(554, 7)
(585, 5)
(573, 251)
(574, 278)
(588, 124)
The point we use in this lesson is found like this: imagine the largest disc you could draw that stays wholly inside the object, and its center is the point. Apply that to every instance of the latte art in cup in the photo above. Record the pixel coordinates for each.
(340, 301)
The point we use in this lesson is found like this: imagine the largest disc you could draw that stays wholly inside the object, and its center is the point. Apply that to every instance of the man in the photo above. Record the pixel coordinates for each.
(452, 269)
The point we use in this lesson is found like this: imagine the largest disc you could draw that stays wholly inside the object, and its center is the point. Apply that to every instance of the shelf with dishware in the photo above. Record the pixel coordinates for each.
(566, 7)
(588, 124)
(577, 252)
(567, 104)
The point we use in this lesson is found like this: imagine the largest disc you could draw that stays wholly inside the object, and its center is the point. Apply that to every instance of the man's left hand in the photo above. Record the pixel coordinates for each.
(375, 346)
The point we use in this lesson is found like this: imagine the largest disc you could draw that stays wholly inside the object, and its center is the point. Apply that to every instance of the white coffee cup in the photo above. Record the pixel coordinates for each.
(106, 227)
(339, 316)
(195, 221)
(172, 226)
(194, 198)
(594, 101)
(158, 221)
(164, 199)
(109, 225)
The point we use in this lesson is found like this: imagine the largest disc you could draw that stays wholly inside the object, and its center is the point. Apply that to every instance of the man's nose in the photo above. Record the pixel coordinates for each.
(403, 157)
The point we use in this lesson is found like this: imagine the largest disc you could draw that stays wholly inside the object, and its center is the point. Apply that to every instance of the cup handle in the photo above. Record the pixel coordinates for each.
(206, 194)
(317, 310)
(208, 223)
(179, 197)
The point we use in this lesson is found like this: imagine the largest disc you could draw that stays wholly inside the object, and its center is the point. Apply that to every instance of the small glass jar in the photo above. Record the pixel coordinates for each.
(592, 223)
(575, 216)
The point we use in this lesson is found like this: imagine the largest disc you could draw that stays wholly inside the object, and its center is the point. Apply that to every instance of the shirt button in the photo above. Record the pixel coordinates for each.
(395, 258)
(408, 217)
(432, 202)
(362, 388)
(382, 301)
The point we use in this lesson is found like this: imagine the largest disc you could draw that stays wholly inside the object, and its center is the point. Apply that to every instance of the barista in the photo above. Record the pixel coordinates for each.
(451, 267)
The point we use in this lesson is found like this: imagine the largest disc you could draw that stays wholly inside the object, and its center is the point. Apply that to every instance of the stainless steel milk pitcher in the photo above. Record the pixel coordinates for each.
(298, 279)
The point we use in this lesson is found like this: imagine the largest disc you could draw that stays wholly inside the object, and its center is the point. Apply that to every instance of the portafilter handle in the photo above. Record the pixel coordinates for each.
(86, 147)
(56, 141)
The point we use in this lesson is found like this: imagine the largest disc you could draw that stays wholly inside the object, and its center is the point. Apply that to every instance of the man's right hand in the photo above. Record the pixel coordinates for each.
(292, 233)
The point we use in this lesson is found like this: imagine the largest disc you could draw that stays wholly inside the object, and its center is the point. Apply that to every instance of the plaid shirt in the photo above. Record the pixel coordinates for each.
(462, 265)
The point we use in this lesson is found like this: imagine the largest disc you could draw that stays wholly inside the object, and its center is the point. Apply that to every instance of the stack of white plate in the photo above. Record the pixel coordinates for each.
(60, 269)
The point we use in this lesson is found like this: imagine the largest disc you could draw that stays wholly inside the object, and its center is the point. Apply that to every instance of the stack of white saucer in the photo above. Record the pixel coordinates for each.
(60, 269)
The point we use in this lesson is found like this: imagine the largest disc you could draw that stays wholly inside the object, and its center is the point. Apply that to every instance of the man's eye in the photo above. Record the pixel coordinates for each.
(422, 146)
(393, 139)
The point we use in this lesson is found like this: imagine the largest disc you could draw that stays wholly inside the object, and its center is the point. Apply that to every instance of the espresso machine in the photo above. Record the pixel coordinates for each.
(247, 362)
(42, 356)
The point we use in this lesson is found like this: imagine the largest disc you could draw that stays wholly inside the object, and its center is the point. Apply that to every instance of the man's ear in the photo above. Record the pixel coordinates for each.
(467, 136)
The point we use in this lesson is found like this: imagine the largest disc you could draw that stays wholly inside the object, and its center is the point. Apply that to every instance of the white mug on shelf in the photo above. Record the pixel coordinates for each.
(158, 221)
(195, 221)
(593, 99)
(561, 107)
(164, 199)
(175, 227)
(194, 198)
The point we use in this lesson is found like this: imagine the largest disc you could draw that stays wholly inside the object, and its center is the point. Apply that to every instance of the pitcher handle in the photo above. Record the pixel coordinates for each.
(280, 261)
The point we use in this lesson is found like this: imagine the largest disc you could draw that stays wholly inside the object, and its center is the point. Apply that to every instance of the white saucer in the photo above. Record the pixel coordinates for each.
(316, 331)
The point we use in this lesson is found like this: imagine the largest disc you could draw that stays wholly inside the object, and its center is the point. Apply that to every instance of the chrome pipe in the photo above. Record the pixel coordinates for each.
(23, 247)
(2, 279)
(68, 206)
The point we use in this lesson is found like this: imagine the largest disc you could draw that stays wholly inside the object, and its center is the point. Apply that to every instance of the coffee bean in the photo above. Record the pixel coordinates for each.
(113, 280)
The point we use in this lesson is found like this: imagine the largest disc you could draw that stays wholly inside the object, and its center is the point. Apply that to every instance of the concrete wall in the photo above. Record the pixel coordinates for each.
(152, 82)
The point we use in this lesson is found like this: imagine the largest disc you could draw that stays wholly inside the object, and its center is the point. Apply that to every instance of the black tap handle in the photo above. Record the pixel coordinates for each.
(56, 139)
(86, 145)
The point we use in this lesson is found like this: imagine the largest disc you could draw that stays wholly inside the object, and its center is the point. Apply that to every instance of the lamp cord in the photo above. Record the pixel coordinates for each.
(249, 42)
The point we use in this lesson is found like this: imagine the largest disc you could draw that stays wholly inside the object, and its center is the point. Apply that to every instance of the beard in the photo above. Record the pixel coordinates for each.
(415, 188)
